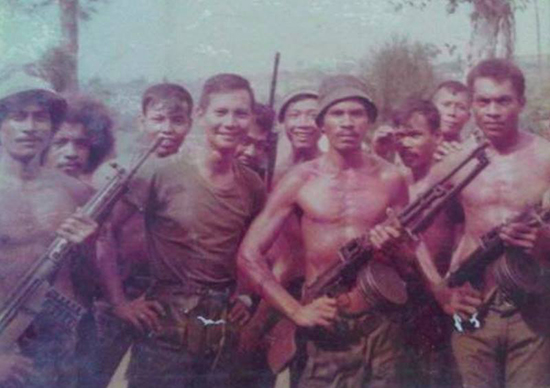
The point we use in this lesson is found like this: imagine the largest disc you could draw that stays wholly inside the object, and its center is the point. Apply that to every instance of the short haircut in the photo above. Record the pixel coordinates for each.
(223, 83)
(500, 70)
(264, 117)
(424, 107)
(453, 86)
(98, 124)
(174, 94)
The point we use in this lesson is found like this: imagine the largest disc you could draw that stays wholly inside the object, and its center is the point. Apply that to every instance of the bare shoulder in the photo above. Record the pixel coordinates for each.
(539, 147)
(77, 189)
(388, 172)
(297, 177)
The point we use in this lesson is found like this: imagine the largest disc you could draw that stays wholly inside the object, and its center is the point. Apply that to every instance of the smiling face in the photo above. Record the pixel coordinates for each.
(454, 110)
(69, 150)
(345, 124)
(170, 121)
(496, 107)
(25, 131)
(299, 123)
(416, 142)
(226, 119)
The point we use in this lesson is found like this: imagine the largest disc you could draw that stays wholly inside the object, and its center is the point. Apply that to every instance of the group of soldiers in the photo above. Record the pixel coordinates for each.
(197, 258)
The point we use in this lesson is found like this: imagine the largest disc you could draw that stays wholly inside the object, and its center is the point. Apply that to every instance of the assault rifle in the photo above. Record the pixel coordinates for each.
(507, 273)
(28, 297)
(273, 137)
(357, 253)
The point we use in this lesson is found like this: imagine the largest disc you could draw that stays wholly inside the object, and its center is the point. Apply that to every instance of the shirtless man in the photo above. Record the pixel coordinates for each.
(417, 135)
(252, 152)
(297, 114)
(506, 349)
(341, 195)
(453, 101)
(83, 140)
(35, 201)
(196, 213)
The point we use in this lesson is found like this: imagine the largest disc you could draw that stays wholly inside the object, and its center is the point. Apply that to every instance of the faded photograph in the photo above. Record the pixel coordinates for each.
(278, 194)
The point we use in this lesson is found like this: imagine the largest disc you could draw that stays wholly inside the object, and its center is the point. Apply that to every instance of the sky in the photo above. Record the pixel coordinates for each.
(190, 39)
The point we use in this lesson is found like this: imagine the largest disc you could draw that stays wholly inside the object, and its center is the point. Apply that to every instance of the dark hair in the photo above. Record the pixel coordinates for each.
(167, 92)
(97, 122)
(500, 70)
(56, 106)
(224, 83)
(264, 117)
(453, 86)
(411, 106)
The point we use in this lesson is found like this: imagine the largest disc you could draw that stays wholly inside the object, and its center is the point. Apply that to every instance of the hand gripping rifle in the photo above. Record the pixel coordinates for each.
(512, 273)
(28, 297)
(357, 253)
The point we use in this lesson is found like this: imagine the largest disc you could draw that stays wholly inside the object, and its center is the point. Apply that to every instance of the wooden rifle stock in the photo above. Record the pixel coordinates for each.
(354, 255)
(26, 299)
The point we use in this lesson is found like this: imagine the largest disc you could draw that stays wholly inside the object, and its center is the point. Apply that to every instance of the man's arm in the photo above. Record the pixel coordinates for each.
(252, 261)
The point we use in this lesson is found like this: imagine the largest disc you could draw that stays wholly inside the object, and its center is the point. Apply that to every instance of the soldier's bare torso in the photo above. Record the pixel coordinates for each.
(512, 181)
(32, 210)
(339, 205)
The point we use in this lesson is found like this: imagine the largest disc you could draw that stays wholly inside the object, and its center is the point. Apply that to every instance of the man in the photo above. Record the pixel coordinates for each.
(341, 195)
(417, 135)
(196, 213)
(166, 110)
(297, 114)
(507, 350)
(83, 140)
(453, 101)
(35, 202)
(252, 151)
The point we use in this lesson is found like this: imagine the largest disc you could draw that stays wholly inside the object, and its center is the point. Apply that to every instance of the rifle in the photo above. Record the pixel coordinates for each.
(28, 298)
(273, 135)
(358, 252)
(509, 275)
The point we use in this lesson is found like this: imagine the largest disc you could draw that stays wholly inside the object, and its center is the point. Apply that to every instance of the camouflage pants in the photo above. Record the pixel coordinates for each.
(190, 350)
(372, 360)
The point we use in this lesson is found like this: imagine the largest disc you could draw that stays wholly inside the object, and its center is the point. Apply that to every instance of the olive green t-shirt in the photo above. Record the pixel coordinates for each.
(193, 230)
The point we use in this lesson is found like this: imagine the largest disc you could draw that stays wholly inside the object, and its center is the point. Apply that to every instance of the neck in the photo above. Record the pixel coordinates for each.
(215, 161)
(345, 160)
(305, 154)
(420, 172)
(24, 170)
(451, 137)
(507, 143)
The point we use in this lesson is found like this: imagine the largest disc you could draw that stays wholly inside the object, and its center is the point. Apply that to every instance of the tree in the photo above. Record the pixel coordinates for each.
(493, 26)
(397, 70)
(61, 62)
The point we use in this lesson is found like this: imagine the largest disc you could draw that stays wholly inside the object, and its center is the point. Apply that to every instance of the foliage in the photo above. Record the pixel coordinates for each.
(87, 7)
(398, 70)
(53, 66)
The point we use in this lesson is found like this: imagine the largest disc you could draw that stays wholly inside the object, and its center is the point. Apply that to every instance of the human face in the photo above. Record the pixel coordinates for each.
(69, 150)
(496, 108)
(226, 119)
(171, 122)
(253, 149)
(345, 124)
(26, 131)
(454, 110)
(416, 143)
(299, 123)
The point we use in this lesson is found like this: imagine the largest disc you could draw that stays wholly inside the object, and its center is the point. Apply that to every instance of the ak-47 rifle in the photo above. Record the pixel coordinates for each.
(273, 136)
(357, 253)
(28, 297)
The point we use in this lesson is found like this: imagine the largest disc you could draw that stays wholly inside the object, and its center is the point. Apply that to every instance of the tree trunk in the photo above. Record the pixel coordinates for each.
(68, 11)
(493, 31)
